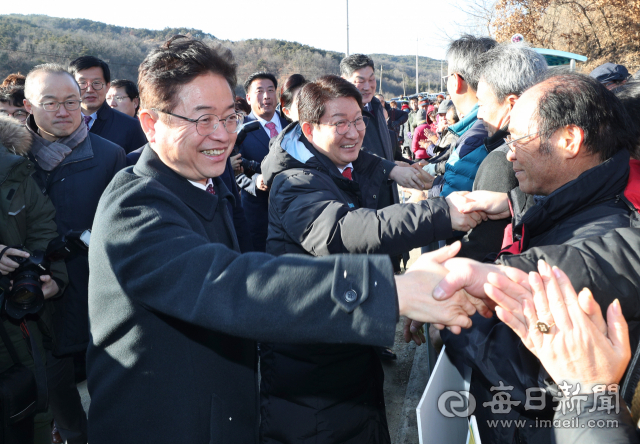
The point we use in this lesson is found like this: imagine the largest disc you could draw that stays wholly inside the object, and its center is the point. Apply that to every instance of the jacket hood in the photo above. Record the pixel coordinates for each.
(286, 152)
(462, 126)
(14, 136)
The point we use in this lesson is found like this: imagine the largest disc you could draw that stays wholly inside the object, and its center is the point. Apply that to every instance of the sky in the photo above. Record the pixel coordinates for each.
(375, 26)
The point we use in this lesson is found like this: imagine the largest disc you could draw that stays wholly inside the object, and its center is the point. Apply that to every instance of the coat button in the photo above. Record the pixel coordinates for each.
(374, 196)
(350, 296)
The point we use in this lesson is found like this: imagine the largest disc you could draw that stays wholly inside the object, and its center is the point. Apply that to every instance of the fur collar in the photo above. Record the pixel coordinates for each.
(14, 136)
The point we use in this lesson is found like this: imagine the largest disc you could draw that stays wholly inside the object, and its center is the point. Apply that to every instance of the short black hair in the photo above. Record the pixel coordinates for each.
(577, 99)
(177, 62)
(629, 95)
(314, 95)
(86, 62)
(355, 62)
(259, 75)
(13, 95)
(130, 89)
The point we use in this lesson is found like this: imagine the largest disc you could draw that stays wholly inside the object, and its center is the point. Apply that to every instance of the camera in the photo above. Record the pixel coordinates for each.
(25, 295)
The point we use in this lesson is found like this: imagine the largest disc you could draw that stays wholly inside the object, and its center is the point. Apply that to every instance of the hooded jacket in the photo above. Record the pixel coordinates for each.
(334, 392)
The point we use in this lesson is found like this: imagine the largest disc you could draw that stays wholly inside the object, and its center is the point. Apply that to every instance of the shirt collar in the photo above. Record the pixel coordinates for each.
(349, 165)
(274, 120)
(201, 186)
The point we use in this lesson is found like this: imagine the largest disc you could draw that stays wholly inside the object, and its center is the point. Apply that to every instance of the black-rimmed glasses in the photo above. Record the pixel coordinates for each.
(342, 126)
(20, 114)
(97, 85)
(206, 124)
(70, 105)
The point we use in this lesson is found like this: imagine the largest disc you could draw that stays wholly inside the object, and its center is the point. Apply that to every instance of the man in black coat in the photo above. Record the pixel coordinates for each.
(323, 201)
(94, 78)
(72, 167)
(175, 309)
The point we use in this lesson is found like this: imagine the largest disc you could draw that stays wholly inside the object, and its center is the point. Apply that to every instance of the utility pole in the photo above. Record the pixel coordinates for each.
(380, 92)
(441, 77)
(417, 87)
(404, 91)
(347, 28)
(428, 85)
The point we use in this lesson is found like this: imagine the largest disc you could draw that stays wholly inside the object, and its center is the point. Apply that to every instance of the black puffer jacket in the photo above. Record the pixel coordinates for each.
(332, 393)
(588, 206)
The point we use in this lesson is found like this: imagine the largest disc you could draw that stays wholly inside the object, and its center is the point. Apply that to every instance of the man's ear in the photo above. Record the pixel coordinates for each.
(148, 119)
(136, 102)
(571, 141)
(307, 129)
(512, 99)
(27, 105)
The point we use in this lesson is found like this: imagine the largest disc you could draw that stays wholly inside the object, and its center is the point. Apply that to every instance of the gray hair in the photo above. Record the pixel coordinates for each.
(50, 68)
(353, 63)
(463, 53)
(511, 68)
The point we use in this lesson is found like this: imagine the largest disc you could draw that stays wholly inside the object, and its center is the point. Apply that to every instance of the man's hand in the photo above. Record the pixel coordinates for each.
(495, 205)
(6, 264)
(49, 286)
(236, 163)
(413, 330)
(260, 183)
(471, 276)
(415, 293)
(407, 177)
(579, 346)
(459, 221)
(425, 177)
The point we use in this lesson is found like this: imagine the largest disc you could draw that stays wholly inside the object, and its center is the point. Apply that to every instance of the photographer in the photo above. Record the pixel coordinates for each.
(27, 220)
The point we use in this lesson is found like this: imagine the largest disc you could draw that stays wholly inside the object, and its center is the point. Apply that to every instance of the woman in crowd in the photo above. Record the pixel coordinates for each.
(289, 96)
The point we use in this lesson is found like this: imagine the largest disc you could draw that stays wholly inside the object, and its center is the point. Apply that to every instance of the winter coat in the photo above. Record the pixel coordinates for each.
(419, 136)
(175, 311)
(334, 392)
(588, 206)
(75, 187)
(255, 202)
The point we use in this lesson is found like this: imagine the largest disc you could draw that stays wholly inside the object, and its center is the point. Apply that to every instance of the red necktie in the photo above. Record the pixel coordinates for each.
(273, 132)
(347, 173)
(210, 189)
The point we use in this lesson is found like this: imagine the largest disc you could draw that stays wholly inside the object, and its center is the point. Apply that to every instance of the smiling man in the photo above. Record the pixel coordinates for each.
(261, 95)
(94, 77)
(323, 201)
(175, 309)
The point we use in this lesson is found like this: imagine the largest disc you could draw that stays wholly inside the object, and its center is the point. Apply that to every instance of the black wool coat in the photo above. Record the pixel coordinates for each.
(175, 311)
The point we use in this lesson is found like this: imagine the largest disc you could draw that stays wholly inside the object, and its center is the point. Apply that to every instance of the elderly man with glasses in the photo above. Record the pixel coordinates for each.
(94, 77)
(73, 167)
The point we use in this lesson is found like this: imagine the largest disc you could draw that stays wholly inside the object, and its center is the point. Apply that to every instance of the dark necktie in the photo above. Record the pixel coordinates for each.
(87, 120)
(210, 189)
(347, 173)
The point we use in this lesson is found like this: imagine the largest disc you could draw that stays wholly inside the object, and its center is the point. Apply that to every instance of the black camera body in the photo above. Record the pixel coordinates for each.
(25, 295)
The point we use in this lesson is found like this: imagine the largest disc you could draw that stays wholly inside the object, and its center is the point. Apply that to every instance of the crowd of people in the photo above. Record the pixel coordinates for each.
(230, 269)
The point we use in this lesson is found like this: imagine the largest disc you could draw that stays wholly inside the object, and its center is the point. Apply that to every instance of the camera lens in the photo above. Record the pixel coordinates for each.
(26, 295)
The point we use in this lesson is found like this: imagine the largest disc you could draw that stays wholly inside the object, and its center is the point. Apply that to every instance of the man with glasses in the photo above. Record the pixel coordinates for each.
(323, 201)
(175, 309)
(73, 167)
(94, 77)
(123, 96)
(12, 103)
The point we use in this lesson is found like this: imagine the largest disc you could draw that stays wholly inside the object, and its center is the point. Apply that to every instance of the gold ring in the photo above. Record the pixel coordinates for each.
(544, 327)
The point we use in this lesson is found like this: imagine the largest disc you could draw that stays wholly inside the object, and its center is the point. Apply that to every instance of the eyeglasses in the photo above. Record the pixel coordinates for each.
(207, 123)
(97, 85)
(511, 142)
(119, 99)
(70, 105)
(342, 126)
(20, 114)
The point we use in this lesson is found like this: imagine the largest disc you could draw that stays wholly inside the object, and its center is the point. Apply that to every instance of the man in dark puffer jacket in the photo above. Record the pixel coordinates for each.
(333, 393)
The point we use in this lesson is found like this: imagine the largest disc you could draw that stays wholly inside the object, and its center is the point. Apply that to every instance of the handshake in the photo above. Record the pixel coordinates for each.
(444, 290)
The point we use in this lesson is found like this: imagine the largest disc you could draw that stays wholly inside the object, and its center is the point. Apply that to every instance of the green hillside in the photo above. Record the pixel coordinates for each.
(28, 40)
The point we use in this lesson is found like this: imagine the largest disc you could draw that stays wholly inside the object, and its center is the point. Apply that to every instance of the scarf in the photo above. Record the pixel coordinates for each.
(51, 154)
